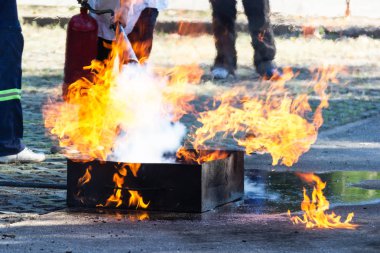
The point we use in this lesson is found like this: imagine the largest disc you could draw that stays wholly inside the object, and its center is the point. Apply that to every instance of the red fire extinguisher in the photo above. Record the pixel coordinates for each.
(81, 44)
(81, 47)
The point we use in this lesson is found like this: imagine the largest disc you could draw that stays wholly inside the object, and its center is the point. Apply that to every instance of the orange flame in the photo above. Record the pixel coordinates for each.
(116, 199)
(134, 167)
(273, 122)
(348, 11)
(86, 177)
(89, 120)
(178, 93)
(314, 209)
(137, 200)
(200, 156)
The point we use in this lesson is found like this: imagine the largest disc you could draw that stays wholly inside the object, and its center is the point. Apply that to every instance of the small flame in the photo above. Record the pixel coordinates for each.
(200, 156)
(348, 10)
(116, 198)
(314, 209)
(134, 167)
(86, 177)
(137, 200)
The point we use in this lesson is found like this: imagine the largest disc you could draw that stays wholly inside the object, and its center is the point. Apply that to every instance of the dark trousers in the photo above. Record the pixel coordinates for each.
(224, 17)
(11, 121)
(141, 37)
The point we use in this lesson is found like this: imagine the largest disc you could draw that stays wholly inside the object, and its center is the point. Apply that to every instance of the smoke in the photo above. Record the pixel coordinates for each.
(148, 132)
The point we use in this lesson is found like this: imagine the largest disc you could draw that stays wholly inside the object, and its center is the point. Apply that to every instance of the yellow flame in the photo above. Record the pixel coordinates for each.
(314, 209)
(86, 177)
(137, 200)
(274, 122)
(116, 198)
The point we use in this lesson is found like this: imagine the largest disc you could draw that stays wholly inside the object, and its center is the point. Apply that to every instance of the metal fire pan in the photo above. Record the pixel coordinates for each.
(179, 187)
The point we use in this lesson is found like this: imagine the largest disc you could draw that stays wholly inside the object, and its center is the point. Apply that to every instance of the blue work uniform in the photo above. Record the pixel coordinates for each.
(11, 47)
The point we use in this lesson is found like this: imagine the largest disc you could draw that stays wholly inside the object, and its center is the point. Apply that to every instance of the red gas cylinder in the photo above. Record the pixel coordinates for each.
(81, 47)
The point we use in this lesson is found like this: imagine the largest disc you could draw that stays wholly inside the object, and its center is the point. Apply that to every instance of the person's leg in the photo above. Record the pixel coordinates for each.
(223, 22)
(11, 121)
(141, 36)
(258, 12)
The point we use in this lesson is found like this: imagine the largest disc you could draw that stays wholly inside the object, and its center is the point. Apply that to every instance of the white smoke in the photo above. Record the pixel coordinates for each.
(149, 132)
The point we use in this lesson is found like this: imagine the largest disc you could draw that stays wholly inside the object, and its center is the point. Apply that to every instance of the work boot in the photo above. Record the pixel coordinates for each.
(268, 70)
(25, 156)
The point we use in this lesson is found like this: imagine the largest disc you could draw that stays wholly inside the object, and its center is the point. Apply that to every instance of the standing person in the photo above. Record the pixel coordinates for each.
(11, 122)
(137, 16)
(224, 17)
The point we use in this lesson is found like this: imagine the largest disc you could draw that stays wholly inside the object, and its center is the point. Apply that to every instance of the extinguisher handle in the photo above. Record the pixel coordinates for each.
(84, 4)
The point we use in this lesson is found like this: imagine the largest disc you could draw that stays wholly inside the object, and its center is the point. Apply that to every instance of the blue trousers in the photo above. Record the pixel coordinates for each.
(11, 120)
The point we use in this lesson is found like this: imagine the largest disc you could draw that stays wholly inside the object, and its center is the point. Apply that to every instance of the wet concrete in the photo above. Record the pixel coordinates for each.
(258, 223)
(276, 192)
(217, 231)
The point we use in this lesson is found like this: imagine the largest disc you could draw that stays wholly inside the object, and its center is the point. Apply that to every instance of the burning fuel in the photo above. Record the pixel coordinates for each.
(116, 199)
(314, 208)
(121, 114)
(129, 113)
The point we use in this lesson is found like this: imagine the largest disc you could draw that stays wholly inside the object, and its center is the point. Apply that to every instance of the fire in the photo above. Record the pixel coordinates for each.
(273, 121)
(134, 167)
(100, 110)
(116, 199)
(86, 177)
(89, 120)
(200, 156)
(97, 112)
(137, 200)
(314, 209)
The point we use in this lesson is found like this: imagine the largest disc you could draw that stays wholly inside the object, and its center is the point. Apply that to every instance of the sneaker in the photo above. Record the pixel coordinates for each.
(25, 156)
(219, 73)
(268, 70)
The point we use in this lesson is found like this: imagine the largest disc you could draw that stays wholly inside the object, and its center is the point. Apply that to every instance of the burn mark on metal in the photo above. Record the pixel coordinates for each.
(179, 186)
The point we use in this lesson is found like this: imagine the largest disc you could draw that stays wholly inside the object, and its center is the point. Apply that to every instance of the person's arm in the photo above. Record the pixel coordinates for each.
(122, 13)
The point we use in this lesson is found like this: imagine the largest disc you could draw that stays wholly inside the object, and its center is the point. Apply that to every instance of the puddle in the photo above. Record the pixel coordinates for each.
(273, 192)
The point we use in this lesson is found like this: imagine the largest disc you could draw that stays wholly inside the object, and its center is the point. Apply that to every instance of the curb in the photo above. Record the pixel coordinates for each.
(192, 28)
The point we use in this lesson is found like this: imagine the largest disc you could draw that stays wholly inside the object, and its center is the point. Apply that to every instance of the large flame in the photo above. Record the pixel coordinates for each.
(314, 209)
(273, 121)
(89, 120)
(99, 116)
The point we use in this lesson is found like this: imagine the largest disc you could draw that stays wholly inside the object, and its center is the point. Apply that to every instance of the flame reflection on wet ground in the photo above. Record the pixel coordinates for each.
(269, 193)
(276, 192)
